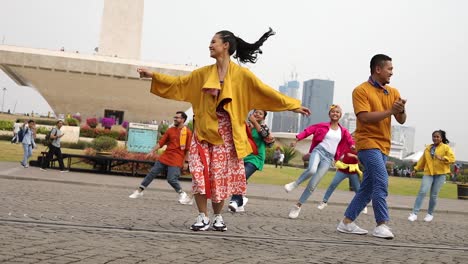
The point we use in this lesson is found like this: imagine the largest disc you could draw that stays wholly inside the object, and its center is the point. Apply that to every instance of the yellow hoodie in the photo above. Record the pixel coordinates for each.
(242, 91)
(433, 166)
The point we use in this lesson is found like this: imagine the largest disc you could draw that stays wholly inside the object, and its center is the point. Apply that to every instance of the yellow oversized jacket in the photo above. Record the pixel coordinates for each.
(434, 166)
(242, 90)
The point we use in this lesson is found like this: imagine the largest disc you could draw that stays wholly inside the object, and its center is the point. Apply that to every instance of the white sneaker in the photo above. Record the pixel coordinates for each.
(185, 199)
(202, 223)
(351, 228)
(364, 211)
(233, 206)
(64, 171)
(42, 169)
(322, 205)
(136, 194)
(412, 217)
(244, 200)
(294, 212)
(241, 209)
(383, 231)
(218, 223)
(428, 218)
(290, 186)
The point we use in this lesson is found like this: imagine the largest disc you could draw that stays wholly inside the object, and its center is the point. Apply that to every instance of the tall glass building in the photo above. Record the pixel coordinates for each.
(317, 95)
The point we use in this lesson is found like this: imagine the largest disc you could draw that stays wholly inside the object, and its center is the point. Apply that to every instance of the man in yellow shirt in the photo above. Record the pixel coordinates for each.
(374, 105)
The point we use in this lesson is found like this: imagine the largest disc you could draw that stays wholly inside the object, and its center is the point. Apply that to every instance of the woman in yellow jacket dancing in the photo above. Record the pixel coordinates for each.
(435, 162)
(221, 95)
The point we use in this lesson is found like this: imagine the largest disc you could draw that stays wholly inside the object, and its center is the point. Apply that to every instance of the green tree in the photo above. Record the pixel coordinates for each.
(289, 153)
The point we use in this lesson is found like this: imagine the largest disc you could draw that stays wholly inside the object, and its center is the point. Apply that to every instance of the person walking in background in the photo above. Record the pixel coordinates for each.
(329, 141)
(347, 167)
(217, 94)
(54, 148)
(16, 129)
(276, 156)
(177, 139)
(374, 104)
(29, 134)
(281, 159)
(253, 162)
(456, 171)
(435, 162)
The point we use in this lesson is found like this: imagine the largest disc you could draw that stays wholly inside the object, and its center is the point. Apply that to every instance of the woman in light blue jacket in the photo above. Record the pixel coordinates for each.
(29, 133)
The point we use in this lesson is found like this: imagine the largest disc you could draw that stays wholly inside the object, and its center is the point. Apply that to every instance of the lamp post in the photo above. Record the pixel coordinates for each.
(3, 98)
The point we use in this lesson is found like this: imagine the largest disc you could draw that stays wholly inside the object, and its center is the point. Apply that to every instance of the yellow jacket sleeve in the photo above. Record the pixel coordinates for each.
(276, 100)
(180, 88)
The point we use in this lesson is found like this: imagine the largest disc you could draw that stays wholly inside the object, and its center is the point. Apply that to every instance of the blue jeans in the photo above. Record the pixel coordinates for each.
(249, 170)
(434, 183)
(27, 154)
(374, 186)
(339, 177)
(319, 163)
(173, 174)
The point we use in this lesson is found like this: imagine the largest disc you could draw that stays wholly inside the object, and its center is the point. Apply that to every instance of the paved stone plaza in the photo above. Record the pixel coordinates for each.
(49, 217)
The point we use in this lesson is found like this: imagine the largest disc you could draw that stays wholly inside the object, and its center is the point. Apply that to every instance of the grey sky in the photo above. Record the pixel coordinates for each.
(317, 39)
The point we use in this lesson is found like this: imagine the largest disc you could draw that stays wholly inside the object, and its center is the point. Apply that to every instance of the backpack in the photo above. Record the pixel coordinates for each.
(20, 135)
(47, 140)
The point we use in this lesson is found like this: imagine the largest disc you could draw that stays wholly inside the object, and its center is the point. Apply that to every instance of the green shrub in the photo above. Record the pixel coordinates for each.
(163, 128)
(190, 125)
(78, 145)
(87, 131)
(103, 143)
(289, 153)
(48, 122)
(6, 137)
(269, 155)
(6, 125)
(42, 130)
(72, 122)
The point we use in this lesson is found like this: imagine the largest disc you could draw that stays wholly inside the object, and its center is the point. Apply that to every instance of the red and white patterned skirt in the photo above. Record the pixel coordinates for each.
(224, 173)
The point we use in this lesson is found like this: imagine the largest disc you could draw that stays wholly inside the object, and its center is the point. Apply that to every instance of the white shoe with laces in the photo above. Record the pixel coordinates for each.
(428, 218)
(294, 212)
(290, 186)
(351, 228)
(322, 205)
(202, 223)
(185, 199)
(218, 224)
(412, 217)
(233, 206)
(136, 194)
(383, 231)
(241, 209)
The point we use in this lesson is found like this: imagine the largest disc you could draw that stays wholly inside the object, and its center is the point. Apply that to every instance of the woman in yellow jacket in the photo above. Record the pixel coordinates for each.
(435, 162)
(221, 95)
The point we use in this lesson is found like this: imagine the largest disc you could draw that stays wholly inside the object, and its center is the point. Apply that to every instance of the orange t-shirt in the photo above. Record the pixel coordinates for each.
(174, 155)
(367, 98)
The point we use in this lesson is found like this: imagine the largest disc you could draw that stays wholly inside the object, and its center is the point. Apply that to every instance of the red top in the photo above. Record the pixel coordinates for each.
(174, 155)
(349, 160)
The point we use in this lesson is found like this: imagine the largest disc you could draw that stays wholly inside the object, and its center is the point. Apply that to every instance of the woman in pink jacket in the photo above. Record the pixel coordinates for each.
(328, 144)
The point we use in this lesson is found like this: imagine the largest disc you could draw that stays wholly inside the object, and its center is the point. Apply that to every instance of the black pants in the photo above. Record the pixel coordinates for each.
(53, 151)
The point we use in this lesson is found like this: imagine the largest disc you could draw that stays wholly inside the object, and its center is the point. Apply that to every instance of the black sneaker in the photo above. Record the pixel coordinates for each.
(202, 223)
(218, 224)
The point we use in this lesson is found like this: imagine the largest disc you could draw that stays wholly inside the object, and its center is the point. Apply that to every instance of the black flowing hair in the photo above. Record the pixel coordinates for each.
(442, 135)
(244, 52)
